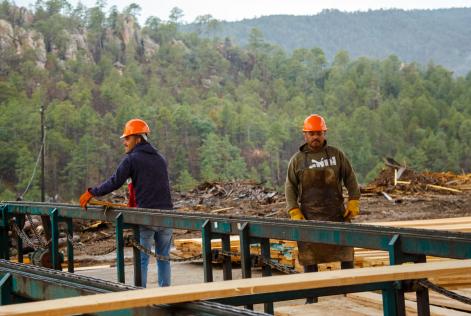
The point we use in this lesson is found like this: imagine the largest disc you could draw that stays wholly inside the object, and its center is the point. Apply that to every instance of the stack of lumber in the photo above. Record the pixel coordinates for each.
(369, 258)
(455, 224)
(284, 251)
(186, 248)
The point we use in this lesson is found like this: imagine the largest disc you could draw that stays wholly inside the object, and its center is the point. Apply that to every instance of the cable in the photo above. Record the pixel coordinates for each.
(443, 291)
(35, 166)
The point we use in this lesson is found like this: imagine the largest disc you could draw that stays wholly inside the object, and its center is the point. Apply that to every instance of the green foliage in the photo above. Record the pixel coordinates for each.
(414, 35)
(220, 160)
(216, 111)
(185, 182)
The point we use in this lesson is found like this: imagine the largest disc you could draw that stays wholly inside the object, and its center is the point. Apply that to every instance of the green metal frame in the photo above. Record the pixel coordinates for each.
(70, 246)
(120, 248)
(19, 284)
(5, 289)
(54, 216)
(403, 244)
(4, 241)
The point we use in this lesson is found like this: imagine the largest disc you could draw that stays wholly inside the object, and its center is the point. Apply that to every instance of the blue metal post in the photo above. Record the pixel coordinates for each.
(227, 262)
(70, 246)
(20, 220)
(5, 289)
(54, 215)
(120, 248)
(137, 258)
(4, 240)
(266, 270)
(206, 250)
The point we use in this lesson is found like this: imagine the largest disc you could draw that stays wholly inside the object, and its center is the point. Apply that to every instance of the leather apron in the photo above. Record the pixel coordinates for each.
(321, 200)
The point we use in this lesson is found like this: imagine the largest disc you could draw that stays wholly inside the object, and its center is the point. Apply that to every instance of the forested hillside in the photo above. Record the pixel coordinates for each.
(217, 111)
(441, 36)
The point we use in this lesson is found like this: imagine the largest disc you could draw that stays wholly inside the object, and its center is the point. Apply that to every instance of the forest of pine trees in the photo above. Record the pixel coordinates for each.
(216, 111)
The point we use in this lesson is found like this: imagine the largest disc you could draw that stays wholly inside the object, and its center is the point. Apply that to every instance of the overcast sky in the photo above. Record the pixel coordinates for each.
(233, 10)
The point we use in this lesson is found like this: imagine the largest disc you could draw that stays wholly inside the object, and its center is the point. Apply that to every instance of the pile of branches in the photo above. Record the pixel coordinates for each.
(391, 180)
(236, 197)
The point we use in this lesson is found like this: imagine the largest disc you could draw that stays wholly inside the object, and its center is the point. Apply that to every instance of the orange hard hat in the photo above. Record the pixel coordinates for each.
(135, 127)
(314, 123)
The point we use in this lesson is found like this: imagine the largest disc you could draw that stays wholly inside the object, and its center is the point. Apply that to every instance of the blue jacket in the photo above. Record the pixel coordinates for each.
(148, 170)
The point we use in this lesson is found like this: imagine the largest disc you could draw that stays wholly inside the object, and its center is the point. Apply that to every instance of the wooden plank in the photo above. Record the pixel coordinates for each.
(204, 291)
(332, 305)
(443, 301)
(438, 187)
(411, 307)
(421, 222)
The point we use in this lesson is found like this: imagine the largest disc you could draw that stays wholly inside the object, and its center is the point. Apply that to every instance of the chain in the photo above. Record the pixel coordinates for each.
(259, 258)
(80, 246)
(23, 236)
(35, 232)
(149, 252)
(278, 266)
(429, 285)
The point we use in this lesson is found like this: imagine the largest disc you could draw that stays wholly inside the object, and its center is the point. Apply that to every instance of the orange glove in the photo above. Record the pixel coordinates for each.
(352, 210)
(85, 198)
(296, 214)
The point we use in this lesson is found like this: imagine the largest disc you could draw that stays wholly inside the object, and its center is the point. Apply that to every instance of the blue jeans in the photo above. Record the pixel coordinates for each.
(163, 241)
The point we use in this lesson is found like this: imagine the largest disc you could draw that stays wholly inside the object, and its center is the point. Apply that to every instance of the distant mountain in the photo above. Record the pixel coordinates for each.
(440, 36)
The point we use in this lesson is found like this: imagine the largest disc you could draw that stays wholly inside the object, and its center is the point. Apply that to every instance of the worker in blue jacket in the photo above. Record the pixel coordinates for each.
(147, 169)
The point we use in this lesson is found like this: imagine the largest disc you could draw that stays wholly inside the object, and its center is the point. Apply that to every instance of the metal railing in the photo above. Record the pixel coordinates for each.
(402, 244)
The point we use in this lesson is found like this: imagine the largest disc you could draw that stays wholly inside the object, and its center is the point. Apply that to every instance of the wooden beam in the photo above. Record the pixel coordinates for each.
(213, 290)
(375, 299)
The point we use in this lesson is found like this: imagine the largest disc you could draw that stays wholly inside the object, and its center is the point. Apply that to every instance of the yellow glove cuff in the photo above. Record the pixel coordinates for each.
(296, 214)
(353, 209)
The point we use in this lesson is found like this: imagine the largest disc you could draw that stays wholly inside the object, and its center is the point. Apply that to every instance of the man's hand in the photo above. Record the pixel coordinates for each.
(85, 198)
(296, 214)
(353, 209)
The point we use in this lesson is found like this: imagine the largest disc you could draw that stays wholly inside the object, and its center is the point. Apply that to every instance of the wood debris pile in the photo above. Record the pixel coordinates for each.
(390, 180)
(236, 197)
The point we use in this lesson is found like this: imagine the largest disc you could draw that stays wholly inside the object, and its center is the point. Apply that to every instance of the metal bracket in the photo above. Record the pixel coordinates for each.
(137, 258)
(266, 271)
(245, 260)
(120, 248)
(4, 240)
(54, 216)
(6, 289)
(393, 298)
(206, 250)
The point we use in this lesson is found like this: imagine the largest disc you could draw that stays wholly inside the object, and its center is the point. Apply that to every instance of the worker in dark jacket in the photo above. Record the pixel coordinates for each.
(313, 190)
(147, 169)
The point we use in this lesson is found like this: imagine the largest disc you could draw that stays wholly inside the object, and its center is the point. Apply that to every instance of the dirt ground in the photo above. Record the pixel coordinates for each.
(423, 206)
